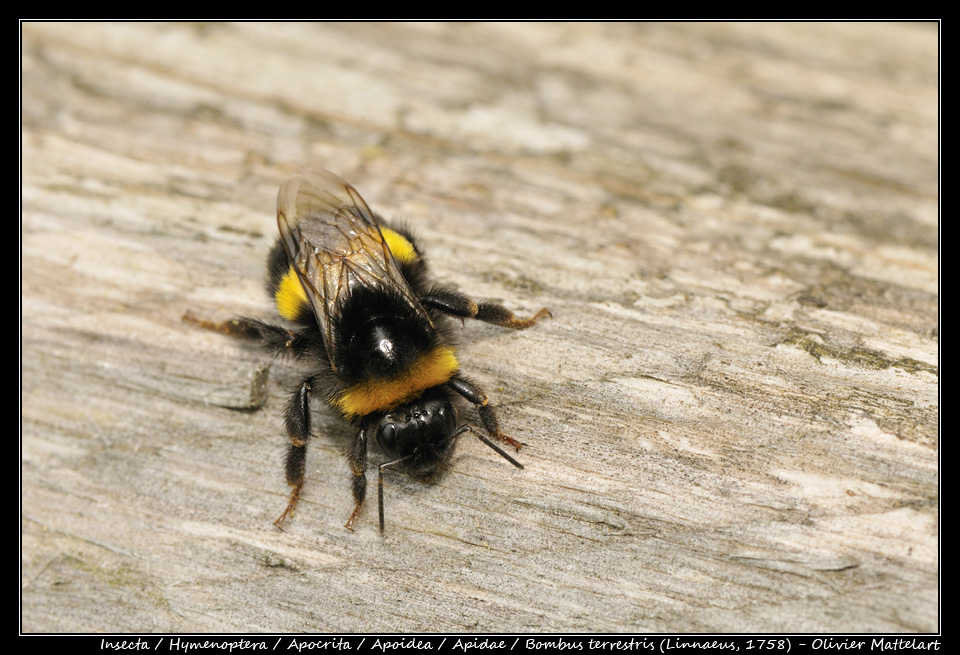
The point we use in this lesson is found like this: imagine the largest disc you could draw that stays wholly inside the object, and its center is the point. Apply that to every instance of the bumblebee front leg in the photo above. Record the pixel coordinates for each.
(358, 466)
(297, 422)
(475, 395)
(456, 304)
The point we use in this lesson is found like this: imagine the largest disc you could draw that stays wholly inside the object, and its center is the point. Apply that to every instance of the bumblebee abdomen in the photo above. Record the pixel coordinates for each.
(292, 301)
(403, 251)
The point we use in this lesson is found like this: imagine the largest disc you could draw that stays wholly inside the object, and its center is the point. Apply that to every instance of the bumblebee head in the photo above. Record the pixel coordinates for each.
(419, 436)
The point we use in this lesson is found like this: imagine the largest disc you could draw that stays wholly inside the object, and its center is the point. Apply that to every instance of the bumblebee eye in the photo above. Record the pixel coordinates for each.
(387, 439)
(449, 415)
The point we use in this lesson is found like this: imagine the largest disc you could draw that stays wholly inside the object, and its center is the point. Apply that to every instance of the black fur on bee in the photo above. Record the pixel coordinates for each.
(364, 314)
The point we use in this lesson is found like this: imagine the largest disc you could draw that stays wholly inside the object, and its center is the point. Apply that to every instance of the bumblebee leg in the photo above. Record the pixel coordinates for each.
(275, 338)
(244, 328)
(297, 421)
(456, 304)
(475, 395)
(358, 466)
(499, 315)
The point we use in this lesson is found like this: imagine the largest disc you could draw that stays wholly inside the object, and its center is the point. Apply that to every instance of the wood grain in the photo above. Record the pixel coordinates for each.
(732, 417)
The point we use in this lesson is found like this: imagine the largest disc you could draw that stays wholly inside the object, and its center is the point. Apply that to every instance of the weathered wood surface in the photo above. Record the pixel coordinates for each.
(731, 419)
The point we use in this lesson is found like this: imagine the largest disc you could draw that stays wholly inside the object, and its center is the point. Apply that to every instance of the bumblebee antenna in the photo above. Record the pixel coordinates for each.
(385, 465)
(463, 428)
(484, 439)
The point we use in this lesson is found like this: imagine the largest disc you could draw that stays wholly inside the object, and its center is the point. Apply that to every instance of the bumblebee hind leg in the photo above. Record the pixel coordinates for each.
(499, 315)
(279, 340)
(244, 328)
(456, 304)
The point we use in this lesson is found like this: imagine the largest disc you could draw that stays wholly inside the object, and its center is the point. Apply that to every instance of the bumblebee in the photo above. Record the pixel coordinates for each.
(376, 332)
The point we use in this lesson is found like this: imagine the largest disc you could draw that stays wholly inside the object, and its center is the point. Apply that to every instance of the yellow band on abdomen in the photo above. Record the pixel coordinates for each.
(291, 299)
(403, 251)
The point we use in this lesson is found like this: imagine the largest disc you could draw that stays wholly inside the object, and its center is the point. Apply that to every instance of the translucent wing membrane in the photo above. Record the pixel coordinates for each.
(334, 241)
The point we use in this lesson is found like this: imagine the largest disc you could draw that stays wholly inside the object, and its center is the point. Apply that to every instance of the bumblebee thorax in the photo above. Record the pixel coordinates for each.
(382, 347)
(378, 393)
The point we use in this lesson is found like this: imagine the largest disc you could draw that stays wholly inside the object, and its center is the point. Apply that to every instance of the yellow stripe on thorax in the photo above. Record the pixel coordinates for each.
(291, 299)
(431, 369)
(403, 251)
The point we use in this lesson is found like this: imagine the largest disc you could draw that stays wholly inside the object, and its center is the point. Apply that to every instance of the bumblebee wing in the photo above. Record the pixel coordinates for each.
(334, 242)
